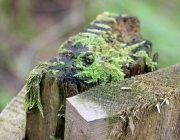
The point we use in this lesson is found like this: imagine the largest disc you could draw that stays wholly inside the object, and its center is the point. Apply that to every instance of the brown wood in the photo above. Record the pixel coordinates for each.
(56, 87)
(147, 110)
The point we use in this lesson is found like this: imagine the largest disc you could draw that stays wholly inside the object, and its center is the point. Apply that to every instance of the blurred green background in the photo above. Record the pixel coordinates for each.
(32, 31)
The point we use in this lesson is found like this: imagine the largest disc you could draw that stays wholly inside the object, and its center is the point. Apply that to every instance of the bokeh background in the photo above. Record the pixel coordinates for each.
(32, 31)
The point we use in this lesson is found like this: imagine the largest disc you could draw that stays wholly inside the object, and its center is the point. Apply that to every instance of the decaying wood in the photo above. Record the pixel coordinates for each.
(148, 110)
(13, 119)
(57, 82)
(50, 83)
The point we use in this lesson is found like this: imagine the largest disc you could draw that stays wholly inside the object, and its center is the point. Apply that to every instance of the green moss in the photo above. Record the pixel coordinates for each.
(61, 109)
(61, 47)
(33, 96)
(107, 53)
(96, 31)
(91, 41)
(149, 61)
(87, 35)
(106, 16)
(103, 25)
(108, 59)
(54, 138)
(63, 50)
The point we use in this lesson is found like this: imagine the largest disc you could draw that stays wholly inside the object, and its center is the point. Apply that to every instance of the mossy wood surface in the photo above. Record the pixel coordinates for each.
(145, 107)
(13, 119)
(109, 50)
(138, 110)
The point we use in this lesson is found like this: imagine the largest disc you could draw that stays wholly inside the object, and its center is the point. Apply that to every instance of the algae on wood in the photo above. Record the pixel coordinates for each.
(148, 109)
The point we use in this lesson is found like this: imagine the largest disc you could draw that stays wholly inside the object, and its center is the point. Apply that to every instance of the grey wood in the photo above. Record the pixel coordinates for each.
(13, 119)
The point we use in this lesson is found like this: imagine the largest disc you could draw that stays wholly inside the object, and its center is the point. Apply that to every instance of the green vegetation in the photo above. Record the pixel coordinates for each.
(149, 61)
(159, 23)
(60, 110)
(106, 60)
(5, 98)
(32, 97)
(106, 54)
(16, 17)
(54, 138)
(107, 16)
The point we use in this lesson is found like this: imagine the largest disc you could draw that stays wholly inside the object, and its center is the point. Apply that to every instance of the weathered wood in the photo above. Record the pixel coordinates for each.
(147, 109)
(36, 126)
(149, 124)
(13, 119)
(112, 42)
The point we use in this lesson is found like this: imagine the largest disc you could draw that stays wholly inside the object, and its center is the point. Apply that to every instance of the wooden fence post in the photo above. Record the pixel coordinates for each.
(110, 49)
(147, 109)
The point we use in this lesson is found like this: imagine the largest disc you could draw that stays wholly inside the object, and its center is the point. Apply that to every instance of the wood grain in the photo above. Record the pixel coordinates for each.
(150, 110)
(13, 119)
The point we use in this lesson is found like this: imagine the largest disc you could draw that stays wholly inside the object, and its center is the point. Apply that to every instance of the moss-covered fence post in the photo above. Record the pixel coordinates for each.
(109, 50)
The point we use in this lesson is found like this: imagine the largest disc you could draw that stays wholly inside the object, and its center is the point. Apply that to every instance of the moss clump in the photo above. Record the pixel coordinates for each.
(33, 96)
(103, 61)
(107, 57)
(106, 16)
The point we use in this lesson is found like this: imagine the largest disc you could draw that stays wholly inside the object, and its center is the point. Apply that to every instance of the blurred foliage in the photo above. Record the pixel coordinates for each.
(15, 27)
(160, 23)
(5, 98)
(15, 16)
